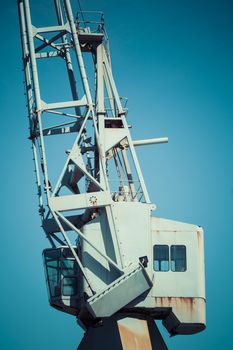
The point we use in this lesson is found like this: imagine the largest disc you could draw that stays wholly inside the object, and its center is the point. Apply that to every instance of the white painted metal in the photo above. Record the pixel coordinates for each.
(150, 141)
(98, 194)
(190, 282)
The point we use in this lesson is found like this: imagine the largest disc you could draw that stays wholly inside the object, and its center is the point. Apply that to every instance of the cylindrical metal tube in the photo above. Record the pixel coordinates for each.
(150, 141)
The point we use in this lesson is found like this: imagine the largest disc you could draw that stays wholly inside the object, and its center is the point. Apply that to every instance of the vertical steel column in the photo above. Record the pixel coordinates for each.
(78, 53)
(100, 110)
(100, 86)
(29, 94)
(36, 88)
(68, 60)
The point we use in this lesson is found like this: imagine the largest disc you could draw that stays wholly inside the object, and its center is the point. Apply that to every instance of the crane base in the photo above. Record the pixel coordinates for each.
(123, 333)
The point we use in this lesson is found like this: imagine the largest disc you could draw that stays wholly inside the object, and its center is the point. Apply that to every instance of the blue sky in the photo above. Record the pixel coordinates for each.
(174, 61)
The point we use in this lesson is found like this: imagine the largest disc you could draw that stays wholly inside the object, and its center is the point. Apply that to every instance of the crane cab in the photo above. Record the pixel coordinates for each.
(170, 253)
(178, 293)
(63, 278)
(173, 257)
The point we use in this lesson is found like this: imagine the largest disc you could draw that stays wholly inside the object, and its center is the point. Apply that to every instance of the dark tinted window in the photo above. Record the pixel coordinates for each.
(68, 267)
(178, 258)
(161, 257)
(53, 272)
(69, 286)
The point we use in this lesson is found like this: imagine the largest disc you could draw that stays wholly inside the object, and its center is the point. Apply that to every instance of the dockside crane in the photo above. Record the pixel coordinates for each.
(111, 263)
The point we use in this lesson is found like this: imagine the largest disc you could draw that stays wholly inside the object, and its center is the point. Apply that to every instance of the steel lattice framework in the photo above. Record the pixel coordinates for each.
(96, 149)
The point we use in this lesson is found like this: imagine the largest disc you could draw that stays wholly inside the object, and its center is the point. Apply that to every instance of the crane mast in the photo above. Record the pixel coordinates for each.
(93, 202)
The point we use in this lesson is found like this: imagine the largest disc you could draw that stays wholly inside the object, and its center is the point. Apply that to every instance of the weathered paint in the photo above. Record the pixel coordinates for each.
(180, 294)
(134, 334)
(186, 309)
(199, 239)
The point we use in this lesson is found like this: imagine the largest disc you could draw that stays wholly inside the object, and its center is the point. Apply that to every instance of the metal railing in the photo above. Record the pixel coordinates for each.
(94, 20)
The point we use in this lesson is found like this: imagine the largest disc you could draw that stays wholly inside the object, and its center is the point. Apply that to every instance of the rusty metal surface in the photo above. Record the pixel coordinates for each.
(186, 309)
(134, 334)
(123, 333)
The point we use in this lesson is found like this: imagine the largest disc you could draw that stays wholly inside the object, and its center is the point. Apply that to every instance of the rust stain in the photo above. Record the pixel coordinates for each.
(189, 311)
(169, 301)
(179, 305)
(134, 334)
(199, 240)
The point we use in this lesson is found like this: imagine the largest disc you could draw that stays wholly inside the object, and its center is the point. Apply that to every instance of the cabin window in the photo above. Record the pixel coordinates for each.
(61, 271)
(69, 286)
(53, 276)
(68, 267)
(178, 258)
(175, 261)
(69, 283)
(161, 258)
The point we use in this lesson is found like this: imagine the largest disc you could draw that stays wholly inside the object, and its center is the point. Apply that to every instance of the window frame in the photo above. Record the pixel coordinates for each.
(170, 257)
(185, 258)
(163, 245)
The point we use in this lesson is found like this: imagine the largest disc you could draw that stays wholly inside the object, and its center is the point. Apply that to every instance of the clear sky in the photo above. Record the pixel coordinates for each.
(174, 60)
